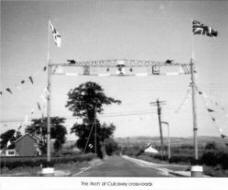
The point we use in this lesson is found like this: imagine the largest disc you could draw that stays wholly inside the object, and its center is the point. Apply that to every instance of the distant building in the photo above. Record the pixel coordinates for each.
(149, 149)
(27, 145)
(10, 152)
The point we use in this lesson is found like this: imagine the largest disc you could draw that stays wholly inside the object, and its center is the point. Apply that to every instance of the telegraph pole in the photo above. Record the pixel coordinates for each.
(158, 104)
(194, 109)
(169, 143)
(95, 130)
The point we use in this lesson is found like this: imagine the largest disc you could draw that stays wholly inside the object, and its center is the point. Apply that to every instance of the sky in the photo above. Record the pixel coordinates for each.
(115, 29)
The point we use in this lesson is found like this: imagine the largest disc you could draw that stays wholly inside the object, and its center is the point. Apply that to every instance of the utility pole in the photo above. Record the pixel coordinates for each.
(194, 109)
(158, 104)
(169, 143)
(95, 130)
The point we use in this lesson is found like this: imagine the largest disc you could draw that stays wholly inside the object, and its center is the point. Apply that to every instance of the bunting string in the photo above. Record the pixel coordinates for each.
(184, 101)
(19, 85)
(40, 106)
(211, 102)
(211, 111)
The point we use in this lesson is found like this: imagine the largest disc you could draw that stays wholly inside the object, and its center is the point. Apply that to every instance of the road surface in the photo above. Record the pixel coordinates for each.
(117, 166)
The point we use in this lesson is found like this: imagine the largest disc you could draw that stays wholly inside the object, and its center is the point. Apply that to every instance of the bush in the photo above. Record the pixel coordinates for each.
(223, 160)
(210, 158)
(211, 146)
(213, 158)
(111, 146)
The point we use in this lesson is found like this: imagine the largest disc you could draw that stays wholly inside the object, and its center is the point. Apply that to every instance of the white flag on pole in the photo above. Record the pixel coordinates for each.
(56, 35)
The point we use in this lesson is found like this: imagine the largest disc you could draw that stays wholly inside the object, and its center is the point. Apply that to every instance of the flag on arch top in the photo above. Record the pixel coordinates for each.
(200, 29)
(56, 36)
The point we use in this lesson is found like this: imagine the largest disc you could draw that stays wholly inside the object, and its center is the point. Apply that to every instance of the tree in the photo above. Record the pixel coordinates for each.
(38, 128)
(89, 140)
(111, 146)
(86, 101)
(10, 135)
(211, 146)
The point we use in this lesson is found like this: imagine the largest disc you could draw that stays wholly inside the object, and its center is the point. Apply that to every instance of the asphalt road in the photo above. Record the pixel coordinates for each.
(119, 167)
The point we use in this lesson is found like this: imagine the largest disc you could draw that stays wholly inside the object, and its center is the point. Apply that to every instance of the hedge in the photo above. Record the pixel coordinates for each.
(13, 162)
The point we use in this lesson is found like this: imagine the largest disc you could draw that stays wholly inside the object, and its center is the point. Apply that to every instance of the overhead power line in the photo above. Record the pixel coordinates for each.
(101, 115)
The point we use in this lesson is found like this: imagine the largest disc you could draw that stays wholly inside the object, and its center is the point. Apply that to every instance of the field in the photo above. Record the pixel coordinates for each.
(143, 141)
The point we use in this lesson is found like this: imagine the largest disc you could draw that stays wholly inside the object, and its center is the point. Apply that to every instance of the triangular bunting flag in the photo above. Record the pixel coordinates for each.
(9, 90)
(210, 110)
(38, 106)
(31, 79)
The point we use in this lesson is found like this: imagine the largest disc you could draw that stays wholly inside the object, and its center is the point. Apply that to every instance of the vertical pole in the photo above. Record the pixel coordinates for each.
(95, 131)
(194, 110)
(49, 114)
(160, 125)
(48, 98)
(169, 144)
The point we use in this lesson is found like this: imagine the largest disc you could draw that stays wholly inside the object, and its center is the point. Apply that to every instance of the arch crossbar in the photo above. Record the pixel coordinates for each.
(122, 64)
(125, 62)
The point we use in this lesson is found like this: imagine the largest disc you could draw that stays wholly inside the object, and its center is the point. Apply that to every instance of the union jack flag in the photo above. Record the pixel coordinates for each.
(56, 35)
(201, 29)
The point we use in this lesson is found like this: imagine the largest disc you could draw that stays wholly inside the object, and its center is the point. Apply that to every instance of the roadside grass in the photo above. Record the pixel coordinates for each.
(71, 167)
(20, 171)
(216, 171)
